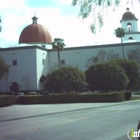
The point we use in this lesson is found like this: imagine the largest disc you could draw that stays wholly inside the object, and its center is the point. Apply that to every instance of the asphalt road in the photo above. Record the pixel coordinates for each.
(103, 123)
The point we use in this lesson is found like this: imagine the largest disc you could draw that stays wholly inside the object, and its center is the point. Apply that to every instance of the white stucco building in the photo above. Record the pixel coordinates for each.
(129, 23)
(30, 62)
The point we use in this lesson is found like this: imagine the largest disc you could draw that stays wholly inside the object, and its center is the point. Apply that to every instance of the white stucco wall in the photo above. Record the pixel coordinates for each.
(41, 69)
(26, 67)
(134, 26)
(79, 55)
(29, 61)
(135, 36)
(134, 33)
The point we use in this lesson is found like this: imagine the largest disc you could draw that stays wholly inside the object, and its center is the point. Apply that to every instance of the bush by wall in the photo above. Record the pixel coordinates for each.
(89, 98)
(106, 76)
(132, 71)
(65, 79)
(7, 100)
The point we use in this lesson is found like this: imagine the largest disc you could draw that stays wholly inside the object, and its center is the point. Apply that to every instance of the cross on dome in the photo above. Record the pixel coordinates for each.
(34, 19)
(127, 9)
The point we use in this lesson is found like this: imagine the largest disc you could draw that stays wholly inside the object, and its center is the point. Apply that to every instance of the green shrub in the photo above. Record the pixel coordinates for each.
(132, 71)
(128, 95)
(65, 79)
(4, 69)
(106, 76)
(89, 98)
(7, 100)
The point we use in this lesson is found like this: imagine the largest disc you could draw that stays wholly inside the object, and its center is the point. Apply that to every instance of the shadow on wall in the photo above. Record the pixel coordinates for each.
(44, 69)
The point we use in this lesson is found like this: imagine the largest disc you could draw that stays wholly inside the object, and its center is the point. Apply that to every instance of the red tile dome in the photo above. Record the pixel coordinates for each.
(128, 15)
(35, 34)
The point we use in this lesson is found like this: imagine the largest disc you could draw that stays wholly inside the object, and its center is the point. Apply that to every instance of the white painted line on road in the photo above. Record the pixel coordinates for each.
(117, 111)
(73, 120)
(87, 117)
(82, 118)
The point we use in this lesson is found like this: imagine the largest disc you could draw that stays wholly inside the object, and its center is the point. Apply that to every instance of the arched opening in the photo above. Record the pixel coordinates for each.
(130, 38)
(14, 87)
(129, 27)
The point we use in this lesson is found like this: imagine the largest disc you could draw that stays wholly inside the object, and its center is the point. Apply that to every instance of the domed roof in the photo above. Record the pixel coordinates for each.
(35, 33)
(128, 15)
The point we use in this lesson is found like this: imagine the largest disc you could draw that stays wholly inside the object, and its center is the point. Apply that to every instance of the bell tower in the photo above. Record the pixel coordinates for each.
(129, 23)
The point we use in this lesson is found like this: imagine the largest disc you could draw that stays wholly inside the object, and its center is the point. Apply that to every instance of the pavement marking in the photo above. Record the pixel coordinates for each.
(19, 132)
(117, 111)
(82, 118)
(73, 120)
(87, 117)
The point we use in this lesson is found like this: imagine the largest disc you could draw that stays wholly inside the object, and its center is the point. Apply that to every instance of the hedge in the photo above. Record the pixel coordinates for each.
(89, 98)
(7, 100)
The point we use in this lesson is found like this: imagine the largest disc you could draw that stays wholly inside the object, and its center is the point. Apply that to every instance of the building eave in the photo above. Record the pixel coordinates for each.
(98, 46)
(22, 48)
(69, 48)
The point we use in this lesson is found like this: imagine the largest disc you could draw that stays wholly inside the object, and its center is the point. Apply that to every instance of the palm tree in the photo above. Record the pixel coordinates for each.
(58, 45)
(120, 32)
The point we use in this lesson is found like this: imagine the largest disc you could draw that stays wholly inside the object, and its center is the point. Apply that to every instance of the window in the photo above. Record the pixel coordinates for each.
(129, 26)
(43, 61)
(62, 62)
(14, 62)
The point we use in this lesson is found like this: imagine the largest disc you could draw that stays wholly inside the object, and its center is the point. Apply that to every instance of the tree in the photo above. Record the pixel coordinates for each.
(132, 71)
(4, 69)
(28, 83)
(58, 45)
(106, 76)
(98, 9)
(111, 55)
(65, 79)
(120, 32)
(102, 56)
(43, 80)
(134, 54)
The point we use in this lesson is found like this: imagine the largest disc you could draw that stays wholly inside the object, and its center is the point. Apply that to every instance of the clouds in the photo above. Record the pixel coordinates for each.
(11, 15)
(59, 17)
(18, 15)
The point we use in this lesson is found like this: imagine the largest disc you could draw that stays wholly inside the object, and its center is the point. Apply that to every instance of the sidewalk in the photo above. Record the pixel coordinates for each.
(15, 112)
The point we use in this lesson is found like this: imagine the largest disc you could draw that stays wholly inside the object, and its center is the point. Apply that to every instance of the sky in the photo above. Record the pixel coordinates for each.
(61, 20)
